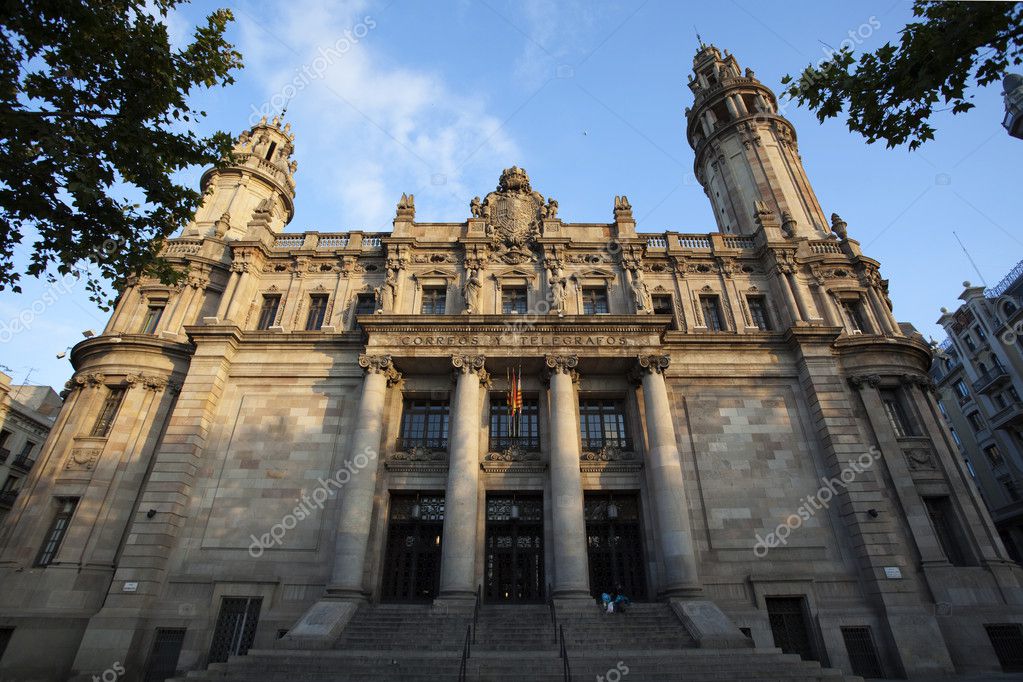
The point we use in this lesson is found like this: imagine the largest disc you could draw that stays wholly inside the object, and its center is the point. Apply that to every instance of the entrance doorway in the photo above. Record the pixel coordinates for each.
(414, 530)
(789, 627)
(514, 571)
(615, 544)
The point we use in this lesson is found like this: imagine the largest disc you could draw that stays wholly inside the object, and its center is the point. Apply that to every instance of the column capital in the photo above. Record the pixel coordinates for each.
(924, 382)
(650, 364)
(857, 381)
(562, 364)
(380, 364)
(466, 364)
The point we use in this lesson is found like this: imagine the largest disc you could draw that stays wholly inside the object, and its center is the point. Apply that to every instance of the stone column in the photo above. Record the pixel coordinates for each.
(571, 569)
(664, 467)
(786, 290)
(458, 552)
(797, 291)
(357, 496)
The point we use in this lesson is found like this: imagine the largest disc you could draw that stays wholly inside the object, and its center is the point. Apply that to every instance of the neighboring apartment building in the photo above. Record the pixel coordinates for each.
(979, 373)
(26, 415)
(1012, 86)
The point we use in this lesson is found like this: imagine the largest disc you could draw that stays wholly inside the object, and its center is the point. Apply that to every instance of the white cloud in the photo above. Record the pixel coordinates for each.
(367, 129)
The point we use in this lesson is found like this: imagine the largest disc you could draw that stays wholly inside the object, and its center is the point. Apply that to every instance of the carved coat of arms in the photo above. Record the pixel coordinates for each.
(513, 212)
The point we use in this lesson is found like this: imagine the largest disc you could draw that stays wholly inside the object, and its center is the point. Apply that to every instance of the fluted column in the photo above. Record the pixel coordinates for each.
(664, 476)
(458, 551)
(571, 570)
(357, 495)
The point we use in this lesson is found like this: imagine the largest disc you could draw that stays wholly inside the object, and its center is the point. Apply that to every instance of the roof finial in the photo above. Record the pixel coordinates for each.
(698, 38)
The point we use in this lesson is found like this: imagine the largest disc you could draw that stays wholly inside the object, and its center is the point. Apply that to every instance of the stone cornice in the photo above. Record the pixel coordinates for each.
(100, 346)
(504, 324)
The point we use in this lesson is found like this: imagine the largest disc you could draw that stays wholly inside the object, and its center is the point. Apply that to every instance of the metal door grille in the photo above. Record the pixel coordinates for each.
(163, 659)
(788, 625)
(859, 644)
(236, 627)
(1007, 639)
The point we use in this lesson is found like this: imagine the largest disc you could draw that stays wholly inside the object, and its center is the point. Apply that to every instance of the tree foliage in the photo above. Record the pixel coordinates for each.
(891, 93)
(94, 120)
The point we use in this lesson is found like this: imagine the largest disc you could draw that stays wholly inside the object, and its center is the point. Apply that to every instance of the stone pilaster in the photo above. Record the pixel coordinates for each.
(458, 552)
(664, 476)
(571, 568)
(321, 625)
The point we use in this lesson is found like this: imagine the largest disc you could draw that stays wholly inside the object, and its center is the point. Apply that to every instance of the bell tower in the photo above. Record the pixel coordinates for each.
(260, 174)
(746, 151)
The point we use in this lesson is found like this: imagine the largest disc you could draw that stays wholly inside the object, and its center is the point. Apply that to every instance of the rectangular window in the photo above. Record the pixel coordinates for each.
(853, 311)
(163, 658)
(979, 331)
(946, 528)
(960, 389)
(4, 452)
(1013, 395)
(434, 300)
(513, 300)
(268, 310)
(58, 529)
(365, 304)
(758, 311)
(994, 455)
(999, 401)
(1011, 489)
(897, 415)
(711, 307)
(424, 423)
(521, 430)
(968, 340)
(595, 301)
(12, 483)
(108, 412)
(955, 437)
(602, 423)
(975, 422)
(317, 311)
(236, 628)
(662, 304)
(152, 319)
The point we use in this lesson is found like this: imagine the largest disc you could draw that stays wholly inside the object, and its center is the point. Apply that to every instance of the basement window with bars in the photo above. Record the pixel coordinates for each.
(859, 644)
(1007, 640)
(163, 658)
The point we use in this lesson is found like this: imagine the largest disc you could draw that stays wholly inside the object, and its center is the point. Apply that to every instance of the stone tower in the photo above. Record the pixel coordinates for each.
(261, 175)
(746, 151)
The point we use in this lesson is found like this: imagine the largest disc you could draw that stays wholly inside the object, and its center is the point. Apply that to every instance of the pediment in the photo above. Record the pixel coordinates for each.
(515, 273)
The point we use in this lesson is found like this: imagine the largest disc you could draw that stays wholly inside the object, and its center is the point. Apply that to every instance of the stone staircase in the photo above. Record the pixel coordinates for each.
(423, 644)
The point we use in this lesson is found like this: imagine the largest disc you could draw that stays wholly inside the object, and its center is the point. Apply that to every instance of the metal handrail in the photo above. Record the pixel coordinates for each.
(463, 666)
(554, 617)
(470, 637)
(566, 668)
(476, 612)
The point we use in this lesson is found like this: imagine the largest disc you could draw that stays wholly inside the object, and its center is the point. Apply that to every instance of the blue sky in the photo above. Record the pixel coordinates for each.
(436, 98)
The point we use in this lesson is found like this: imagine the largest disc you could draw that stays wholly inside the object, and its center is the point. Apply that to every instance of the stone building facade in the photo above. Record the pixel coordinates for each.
(731, 422)
(978, 371)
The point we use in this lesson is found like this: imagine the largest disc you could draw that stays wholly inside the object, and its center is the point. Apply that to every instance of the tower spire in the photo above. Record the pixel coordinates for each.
(746, 154)
(259, 175)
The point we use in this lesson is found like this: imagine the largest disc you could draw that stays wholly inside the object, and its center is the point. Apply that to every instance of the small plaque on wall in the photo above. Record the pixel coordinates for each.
(131, 586)
(893, 572)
